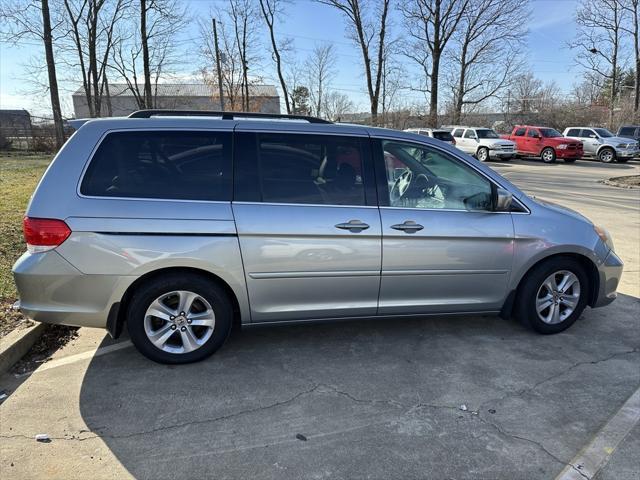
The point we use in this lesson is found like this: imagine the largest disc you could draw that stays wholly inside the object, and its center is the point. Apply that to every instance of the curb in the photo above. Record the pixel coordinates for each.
(17, 343)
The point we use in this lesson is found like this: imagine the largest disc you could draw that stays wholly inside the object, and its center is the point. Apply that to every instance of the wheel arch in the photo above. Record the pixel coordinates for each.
(586, 262)
(117, 313)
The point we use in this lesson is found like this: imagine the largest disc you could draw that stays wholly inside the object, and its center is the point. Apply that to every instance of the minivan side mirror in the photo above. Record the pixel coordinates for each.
(503, 200)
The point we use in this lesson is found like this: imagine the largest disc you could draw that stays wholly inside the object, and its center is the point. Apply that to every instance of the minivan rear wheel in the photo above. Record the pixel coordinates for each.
(179, 318)
(553, 295)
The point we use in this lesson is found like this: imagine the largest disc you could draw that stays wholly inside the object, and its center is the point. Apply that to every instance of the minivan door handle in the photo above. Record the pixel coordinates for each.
(408, 227)
(354, 226)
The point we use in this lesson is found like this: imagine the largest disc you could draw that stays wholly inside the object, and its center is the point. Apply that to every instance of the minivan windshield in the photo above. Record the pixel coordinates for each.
(486, 133)
(603, 132)
(550, 133)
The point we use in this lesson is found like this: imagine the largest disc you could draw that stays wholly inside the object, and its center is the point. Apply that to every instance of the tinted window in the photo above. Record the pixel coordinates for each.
(420, 177)
(469, 134)
(487, 133)
(311, 169)
(573, 132)
(159, 164)
(603, 132)
(520, 132)
(444, 136)
(627, 131)
(533, 133)
(587, 133)
(458, 132)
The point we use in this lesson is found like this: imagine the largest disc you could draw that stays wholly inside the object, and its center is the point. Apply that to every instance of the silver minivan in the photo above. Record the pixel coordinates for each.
(181, 225)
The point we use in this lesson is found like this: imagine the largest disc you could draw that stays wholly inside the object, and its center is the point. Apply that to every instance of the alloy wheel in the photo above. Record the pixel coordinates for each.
(179, 322)
(558, 297)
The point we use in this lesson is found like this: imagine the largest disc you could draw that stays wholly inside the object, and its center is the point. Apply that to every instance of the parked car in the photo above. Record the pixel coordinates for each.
(543, 142)
(630, 131)
(602, 144)
(438, 134)
(484, 143)
(182, 226)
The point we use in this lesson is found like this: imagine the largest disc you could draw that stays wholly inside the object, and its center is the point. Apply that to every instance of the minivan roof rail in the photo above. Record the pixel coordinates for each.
(224, 115)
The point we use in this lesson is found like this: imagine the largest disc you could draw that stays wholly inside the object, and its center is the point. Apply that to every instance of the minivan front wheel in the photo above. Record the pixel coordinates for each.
(553, 295)
(179, 318)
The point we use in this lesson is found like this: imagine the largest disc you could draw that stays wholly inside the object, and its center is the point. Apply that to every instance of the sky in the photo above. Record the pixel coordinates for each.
(551, 26)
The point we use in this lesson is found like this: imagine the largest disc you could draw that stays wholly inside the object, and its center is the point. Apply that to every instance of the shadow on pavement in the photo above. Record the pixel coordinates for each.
(370, 398)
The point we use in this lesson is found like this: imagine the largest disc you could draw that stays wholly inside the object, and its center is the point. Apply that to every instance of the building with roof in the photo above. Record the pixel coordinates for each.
(178, 96)
(15, 123)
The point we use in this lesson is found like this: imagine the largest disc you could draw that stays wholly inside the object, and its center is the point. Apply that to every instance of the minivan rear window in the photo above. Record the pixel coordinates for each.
(172, 165)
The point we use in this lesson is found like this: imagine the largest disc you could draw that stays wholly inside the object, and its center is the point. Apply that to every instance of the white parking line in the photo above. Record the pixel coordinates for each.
(81, 356)
(598, 452)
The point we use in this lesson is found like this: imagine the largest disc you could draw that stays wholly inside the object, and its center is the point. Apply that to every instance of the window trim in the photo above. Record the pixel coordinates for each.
(104, 135)
(383, 189)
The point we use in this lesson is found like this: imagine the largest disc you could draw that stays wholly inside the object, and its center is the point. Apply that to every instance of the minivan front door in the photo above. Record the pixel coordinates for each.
(443, 248)
(308, 225)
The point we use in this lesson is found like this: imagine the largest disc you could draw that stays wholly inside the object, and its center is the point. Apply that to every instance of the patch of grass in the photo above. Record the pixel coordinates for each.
(19, 175)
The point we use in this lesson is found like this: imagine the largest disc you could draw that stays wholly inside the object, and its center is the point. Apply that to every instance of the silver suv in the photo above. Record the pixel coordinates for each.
(182, 226)
(604, 145)
(484, 143)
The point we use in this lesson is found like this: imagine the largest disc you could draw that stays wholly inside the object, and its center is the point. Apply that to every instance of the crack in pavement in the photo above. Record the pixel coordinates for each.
(540, 445)
(531, 388)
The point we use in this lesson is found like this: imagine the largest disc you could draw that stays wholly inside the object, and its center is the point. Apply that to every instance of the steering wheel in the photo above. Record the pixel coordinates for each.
(401, 185)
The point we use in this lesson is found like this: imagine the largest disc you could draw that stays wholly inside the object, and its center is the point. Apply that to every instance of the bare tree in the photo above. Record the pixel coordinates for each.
(32, 19)
(335, 105)
(91, 25)
(320, 67)
(271, 10)
(145, 52)
(243, 15)
(599, 43)
(632, 27)
(430, 24)
(370, 34)
(486, 52)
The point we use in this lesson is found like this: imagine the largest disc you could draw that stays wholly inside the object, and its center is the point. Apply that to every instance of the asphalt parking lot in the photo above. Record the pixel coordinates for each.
(459, 398)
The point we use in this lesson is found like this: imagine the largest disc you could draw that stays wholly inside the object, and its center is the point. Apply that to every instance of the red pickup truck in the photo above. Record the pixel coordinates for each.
(546, 143)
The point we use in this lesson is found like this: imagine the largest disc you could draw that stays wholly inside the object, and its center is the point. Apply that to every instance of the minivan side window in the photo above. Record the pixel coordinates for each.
(520, 132)
(311, 169)
(458, 132)
(423, 177)
(627, 131)
(171, 165)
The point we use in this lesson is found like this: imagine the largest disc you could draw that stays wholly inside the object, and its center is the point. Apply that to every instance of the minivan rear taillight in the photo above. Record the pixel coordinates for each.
(42, 234)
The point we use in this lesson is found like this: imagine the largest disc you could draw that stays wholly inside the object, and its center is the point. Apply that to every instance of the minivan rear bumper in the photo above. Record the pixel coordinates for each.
(52, 290)
(610, 272)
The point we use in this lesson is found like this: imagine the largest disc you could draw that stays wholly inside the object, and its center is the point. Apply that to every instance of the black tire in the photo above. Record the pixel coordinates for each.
(526, 300)
(155, 288)
(570, 160)
(482, 154)
(548, 155)
(607, 155)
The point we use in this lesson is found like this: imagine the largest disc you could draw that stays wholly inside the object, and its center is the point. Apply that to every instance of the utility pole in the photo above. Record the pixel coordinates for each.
(219, 68)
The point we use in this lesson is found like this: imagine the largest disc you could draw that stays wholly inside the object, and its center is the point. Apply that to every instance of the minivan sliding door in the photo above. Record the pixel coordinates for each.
(308, 225)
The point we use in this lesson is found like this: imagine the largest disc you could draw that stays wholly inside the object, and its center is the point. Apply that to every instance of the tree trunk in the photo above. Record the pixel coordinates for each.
(433, 100)
(636, 86)
(145, 55)
(459, 96)
(613, 89)
(51, 70)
